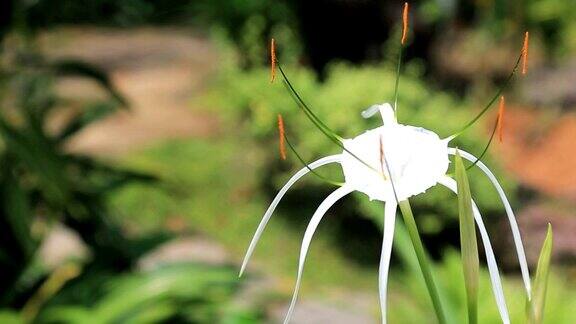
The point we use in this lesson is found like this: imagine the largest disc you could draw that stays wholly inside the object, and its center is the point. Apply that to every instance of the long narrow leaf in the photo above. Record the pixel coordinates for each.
(82, 69)
(468, 243)
(536, 306)
(92, 113)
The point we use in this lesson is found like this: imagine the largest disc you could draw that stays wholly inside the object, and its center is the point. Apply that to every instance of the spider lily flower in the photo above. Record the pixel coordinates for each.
(392, 163)
(416, 160)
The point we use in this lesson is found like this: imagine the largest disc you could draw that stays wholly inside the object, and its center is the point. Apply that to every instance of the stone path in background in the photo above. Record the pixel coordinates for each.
(158, 70)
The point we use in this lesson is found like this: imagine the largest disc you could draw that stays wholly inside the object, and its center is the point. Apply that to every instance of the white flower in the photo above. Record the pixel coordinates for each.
(392, 163)
(417, 158)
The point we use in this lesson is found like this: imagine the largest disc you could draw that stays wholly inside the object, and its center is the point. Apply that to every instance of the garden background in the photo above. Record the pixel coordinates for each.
(139, 151)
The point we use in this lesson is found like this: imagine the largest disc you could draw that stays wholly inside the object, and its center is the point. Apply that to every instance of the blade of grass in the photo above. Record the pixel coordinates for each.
(536, 304)
(468, 244)
(423, 260)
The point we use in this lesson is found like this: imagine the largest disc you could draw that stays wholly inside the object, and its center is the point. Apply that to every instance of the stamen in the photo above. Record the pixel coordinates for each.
(525, 53)
(399, 65)
(282, 137)
(323, 178)
(497, 128)
(272, 60)
(404, 23)
(500, 119)
(521, 59)
(315, 120)
(301, 104)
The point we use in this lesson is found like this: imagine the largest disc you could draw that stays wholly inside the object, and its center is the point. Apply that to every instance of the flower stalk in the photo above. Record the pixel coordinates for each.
(423, 260)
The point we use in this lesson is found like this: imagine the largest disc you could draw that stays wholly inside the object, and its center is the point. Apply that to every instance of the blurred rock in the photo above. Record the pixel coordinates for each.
(158, 71)
(60, 245)
(194, 249)
(547, 86)
(533, 221)
(316, 311)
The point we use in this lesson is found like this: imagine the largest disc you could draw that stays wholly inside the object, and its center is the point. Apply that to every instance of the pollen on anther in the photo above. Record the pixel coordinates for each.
(282, 135)
(525, 53)
(500, 120)
(404, 23)
(272, 60)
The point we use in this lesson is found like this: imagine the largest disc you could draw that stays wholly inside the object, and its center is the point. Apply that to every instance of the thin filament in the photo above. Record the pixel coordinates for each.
(399, 65)
(293, 149)
(323, 127)
(316, 121)
(497, 128)
(521, 58)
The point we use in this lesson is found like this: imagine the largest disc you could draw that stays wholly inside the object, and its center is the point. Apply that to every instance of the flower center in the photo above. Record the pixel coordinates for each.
(416, 158)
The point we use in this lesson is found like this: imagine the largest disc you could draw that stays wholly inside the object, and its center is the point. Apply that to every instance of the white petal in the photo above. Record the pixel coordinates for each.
(491, 260)
(416, 158)
(316, 218)
(272, 207)
(511, 218)
(388, 238)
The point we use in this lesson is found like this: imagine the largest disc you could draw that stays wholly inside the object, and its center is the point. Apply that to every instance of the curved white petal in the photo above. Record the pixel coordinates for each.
(511, 219)
(272, 207)
(491, 260)
(388, 238)
(314, 221)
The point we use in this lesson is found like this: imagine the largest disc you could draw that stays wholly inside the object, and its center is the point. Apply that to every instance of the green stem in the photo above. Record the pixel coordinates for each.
(496, 96)
(422, 258)
(397, 81)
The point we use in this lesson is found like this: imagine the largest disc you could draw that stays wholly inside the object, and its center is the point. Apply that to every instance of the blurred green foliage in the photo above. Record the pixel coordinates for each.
(252, 103)
(43, 184)
(411, 299)
(39, 178)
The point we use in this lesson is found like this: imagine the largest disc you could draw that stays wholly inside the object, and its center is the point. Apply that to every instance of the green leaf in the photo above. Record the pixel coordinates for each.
(468, 244)
(83, 69)
(536, 305)
(91, 114)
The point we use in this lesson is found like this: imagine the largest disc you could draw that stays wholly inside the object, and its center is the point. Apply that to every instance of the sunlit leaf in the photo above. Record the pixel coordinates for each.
(468, 244)
(536, 306)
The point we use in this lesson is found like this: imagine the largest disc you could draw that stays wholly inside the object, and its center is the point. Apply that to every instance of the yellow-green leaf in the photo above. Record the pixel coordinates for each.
(536, 307)
(468, 244)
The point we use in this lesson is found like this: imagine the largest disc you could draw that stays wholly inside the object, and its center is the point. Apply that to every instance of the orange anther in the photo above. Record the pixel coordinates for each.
(525, 53)
(282, 139)
(500, 120)
(272, 61)
(404, 23)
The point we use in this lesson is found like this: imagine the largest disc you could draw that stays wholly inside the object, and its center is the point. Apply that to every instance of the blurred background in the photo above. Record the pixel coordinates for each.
(139, 151)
